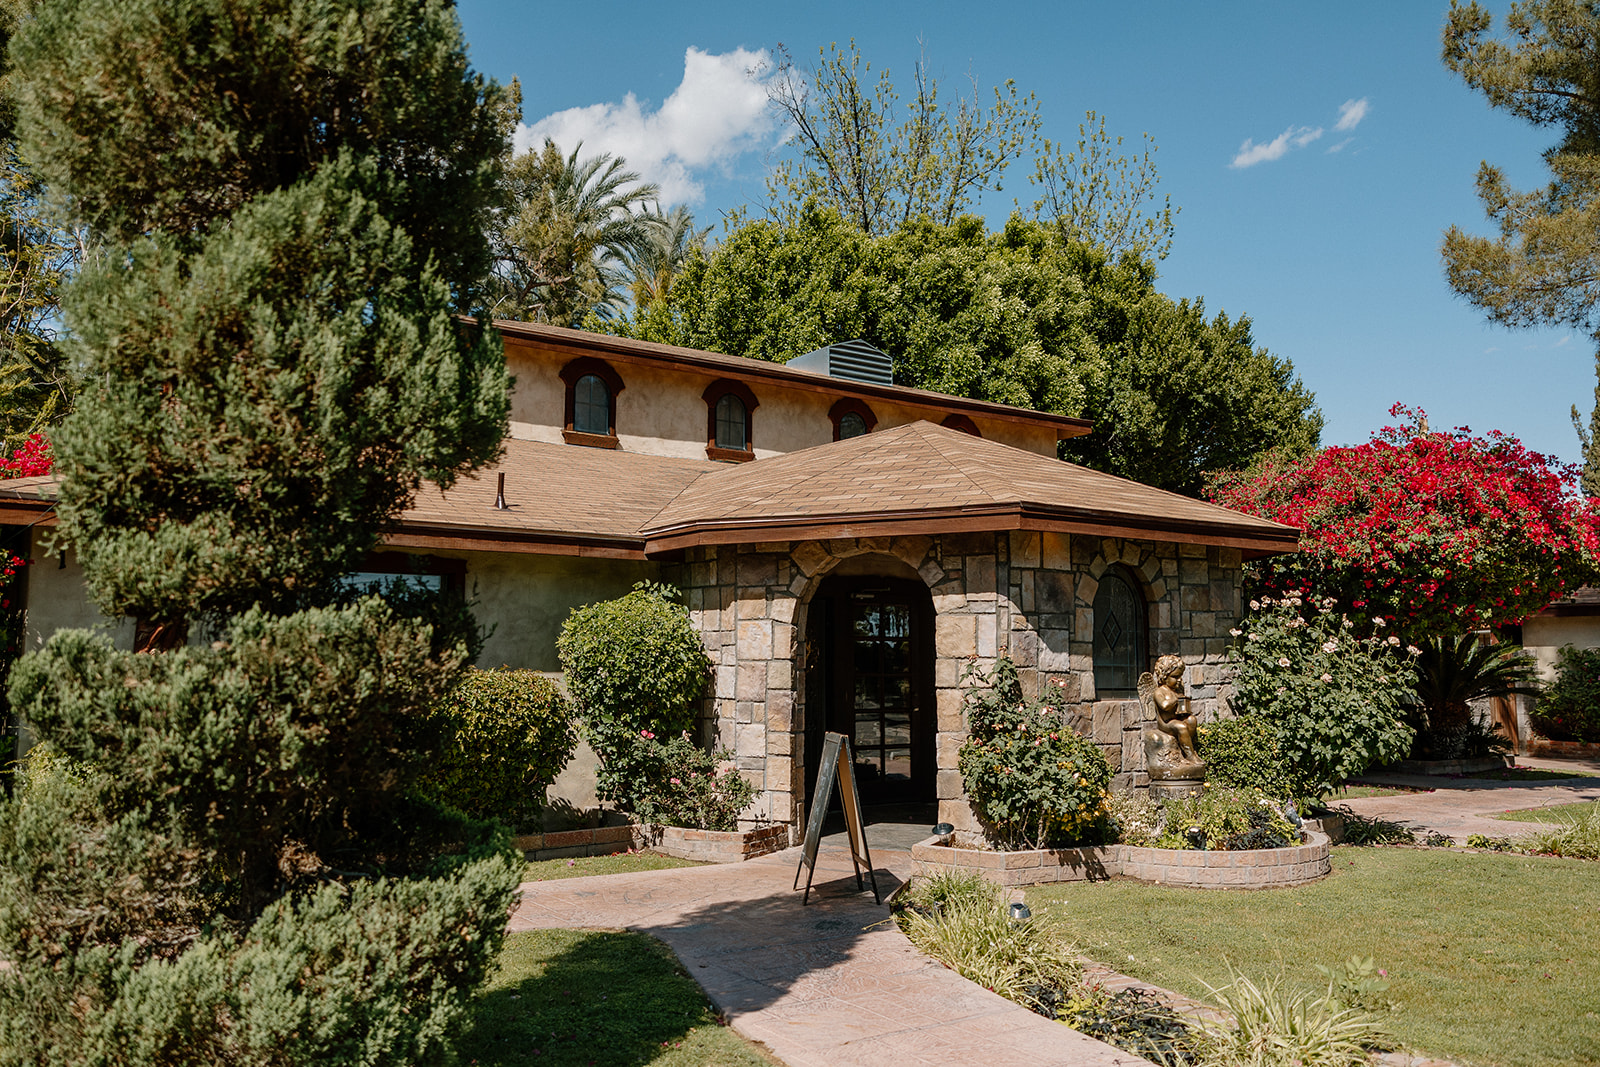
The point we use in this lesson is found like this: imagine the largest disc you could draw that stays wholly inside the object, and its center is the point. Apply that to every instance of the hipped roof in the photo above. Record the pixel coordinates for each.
(918, 478)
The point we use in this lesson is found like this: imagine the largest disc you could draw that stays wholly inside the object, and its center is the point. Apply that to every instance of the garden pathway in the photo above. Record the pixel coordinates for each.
(830, 984)
(1457, 807)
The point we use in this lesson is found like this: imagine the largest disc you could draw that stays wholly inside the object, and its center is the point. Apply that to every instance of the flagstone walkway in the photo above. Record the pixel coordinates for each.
(831, 984)
(1457, 807)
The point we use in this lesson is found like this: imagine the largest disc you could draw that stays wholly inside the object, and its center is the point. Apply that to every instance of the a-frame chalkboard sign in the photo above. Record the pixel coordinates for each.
(838, 768)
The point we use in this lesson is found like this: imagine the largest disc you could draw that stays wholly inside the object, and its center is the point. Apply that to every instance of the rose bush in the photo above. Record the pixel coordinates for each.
(1338, 700)
(1032, 780)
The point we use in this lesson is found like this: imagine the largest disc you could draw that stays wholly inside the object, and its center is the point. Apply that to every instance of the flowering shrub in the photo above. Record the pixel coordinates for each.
(634, 663)
(1135, 817)
(1337, 700)
(1033, 782)
(33, 458)
(1228, 819)
(1569, 710)
(1431, 532)
(681, 785)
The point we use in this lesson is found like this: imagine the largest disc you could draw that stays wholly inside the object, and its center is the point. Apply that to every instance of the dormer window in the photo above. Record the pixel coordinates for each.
(591, 404)
(729, 407)
(851, 418)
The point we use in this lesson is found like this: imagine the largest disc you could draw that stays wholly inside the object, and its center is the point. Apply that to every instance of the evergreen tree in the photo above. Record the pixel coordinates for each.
(1543, 267)
(233, 867)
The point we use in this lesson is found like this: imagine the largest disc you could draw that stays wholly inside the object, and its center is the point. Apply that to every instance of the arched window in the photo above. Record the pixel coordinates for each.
(733, 423)
(962, 423)
(1120, 622)
(591, 404)
(729, 423)
(851, 418)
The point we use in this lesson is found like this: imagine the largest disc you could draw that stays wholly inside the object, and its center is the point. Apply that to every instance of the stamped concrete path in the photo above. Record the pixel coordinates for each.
(1457, 807)
(830, 984)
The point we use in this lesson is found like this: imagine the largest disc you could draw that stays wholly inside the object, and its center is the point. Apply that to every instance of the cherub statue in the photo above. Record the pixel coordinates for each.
(1169, 740)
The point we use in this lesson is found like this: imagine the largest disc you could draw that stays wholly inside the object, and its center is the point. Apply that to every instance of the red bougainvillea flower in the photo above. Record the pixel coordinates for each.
(1431, 532)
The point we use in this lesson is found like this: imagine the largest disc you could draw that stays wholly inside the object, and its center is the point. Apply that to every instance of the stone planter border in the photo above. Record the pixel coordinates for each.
(707, 846)
(1264, 868)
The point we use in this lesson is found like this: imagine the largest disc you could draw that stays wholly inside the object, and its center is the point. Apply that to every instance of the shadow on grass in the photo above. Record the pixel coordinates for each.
(595, 997)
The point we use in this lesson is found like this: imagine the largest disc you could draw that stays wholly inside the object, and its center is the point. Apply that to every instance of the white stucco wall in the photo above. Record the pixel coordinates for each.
(1543, 635)
(57, 599)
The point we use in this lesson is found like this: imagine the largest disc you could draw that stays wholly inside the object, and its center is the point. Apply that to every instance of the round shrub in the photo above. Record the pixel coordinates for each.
(1247, 751)
(509, 733)
(632, 664)
(1032, 780)
(1569, 710)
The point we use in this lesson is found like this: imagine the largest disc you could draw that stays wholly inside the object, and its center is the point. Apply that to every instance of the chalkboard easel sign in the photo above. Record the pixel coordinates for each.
(838, 768)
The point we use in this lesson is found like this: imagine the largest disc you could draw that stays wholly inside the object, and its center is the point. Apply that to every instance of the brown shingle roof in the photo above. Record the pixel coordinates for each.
(921, 474)
(919, 478)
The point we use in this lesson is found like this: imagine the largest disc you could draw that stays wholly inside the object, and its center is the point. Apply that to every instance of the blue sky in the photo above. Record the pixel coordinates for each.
(1330, 245)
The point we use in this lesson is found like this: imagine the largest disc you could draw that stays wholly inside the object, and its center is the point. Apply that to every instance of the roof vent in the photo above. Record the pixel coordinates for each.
(855, 360)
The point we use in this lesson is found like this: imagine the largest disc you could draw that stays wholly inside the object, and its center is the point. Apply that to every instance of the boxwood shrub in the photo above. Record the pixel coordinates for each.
(508, 734)
(1247, 752)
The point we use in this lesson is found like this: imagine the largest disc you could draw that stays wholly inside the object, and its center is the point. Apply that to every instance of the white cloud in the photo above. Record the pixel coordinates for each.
(1251, 153)
(718, 112)
(1351, 112)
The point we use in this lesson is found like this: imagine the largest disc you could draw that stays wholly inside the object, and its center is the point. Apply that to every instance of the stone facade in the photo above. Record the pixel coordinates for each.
(1027, 594)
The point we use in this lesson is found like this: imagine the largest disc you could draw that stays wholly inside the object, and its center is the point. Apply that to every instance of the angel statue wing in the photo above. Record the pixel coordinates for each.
(1147, 694)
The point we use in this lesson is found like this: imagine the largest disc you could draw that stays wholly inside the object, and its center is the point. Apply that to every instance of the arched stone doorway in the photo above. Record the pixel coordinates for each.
(869, 648)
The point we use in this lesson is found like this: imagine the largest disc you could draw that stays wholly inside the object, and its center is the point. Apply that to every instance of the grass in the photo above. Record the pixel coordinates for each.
(1490, 957)
(570, 998)
(584, 866)
(1525, 774)
(1564, 812)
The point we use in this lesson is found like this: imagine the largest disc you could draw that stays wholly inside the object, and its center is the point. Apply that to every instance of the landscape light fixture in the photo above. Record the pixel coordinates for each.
(943, 829)
(1019, 911)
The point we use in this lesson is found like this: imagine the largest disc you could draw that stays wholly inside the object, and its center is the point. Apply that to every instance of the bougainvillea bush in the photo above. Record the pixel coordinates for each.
(1434, 533)
(1337, 699)
(33, 458)
(1033, 782)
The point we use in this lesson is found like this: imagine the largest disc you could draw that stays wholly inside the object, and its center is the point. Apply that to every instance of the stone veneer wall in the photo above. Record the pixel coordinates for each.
(1027, 593)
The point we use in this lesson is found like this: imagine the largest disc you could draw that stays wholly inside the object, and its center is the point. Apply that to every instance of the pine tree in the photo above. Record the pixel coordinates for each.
(226, 863)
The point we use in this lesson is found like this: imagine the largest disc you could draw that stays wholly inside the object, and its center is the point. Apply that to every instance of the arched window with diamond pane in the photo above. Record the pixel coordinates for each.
(1119, 634)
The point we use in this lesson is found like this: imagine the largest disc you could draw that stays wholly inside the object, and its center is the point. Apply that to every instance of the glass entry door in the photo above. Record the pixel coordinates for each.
(874, 649)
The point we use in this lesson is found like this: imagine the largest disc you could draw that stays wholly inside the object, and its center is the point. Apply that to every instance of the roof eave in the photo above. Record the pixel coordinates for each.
(1254, 543)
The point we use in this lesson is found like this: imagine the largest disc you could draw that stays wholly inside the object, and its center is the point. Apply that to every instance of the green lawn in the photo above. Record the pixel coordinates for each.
(1491, 956)
(1555, 813)
(1526, 774)
(1351, 791)
(570, 998)
(583, 866)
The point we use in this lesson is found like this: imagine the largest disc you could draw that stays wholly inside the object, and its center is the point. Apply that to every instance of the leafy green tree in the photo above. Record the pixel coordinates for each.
(564, 232)
(1543, 267)
(1022, 316)
(242, 871)
(857, 156)
(1095, 193)
(36, 255)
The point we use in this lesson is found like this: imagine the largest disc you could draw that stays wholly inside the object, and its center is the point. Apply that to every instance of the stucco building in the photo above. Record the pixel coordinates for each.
(848, 548)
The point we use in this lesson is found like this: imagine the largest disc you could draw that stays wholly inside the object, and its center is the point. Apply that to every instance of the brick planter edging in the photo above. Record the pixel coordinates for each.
(708, 846)
(1261, 868)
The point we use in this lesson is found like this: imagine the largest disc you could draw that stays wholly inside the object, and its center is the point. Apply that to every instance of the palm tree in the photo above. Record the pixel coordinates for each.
(562, 235)
(1454, 671)
(656, 260)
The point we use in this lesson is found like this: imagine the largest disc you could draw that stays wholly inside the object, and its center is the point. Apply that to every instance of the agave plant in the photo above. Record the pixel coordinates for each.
(1451, 672)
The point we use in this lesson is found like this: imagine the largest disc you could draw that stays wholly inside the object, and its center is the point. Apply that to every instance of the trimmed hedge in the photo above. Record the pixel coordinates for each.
(510, 734)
